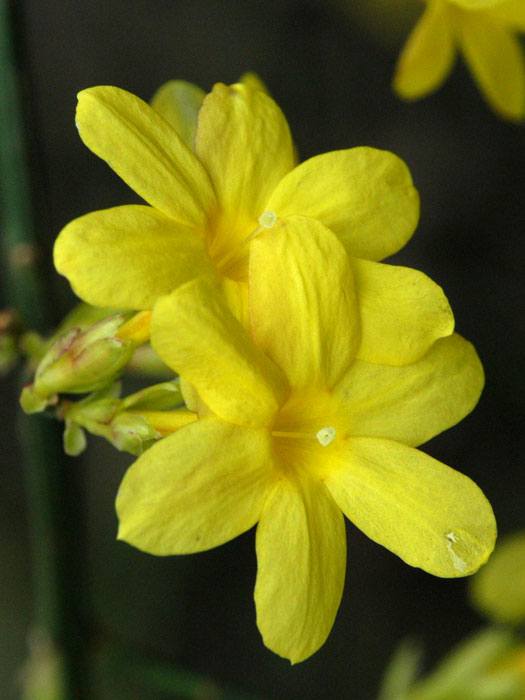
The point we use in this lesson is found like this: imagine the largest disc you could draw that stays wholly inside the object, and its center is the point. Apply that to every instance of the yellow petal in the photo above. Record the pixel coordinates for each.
(244, 141)
(499, 588)
(301, 553)
(511, 13)
(196, 489)
(402, 312)
(364, 195)
(413, 403)
(428, 55)
(477, 4)
(179, 103)
(303, 309)
(428, 514)
(196, 334)
(128, 256)
(146, 152)
(497, 63)
(253, 81)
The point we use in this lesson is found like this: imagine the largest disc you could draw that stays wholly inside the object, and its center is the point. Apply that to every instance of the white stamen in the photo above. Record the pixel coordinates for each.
(326, 435)
(267, 219)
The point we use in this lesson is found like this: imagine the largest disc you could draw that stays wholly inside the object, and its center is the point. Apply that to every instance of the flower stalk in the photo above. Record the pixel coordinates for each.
(49, 485)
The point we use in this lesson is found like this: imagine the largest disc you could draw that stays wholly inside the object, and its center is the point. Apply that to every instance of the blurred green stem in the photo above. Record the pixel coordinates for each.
(48, 483)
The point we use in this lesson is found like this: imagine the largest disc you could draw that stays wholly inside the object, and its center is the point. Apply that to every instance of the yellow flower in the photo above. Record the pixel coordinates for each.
(483, 30)
(291, 430)
(209, 202)
(499, 588)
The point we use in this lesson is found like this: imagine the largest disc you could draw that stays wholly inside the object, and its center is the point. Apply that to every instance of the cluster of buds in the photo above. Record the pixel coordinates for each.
(131, 424)
(87, 356)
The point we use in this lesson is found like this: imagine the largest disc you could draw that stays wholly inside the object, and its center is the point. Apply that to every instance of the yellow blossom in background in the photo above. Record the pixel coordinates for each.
(488, 665)
(484, 32)
(290, 430)
(498, 590)
(219, 169)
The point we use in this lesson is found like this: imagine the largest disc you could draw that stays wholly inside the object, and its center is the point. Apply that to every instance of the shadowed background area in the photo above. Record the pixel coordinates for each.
(332, 78)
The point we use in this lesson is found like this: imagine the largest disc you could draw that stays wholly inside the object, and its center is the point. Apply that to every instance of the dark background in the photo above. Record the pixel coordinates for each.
(332, 79)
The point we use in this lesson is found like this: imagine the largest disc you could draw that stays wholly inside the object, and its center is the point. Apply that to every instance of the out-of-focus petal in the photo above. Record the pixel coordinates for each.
(301, 556)
(413, 403)
(478, 4)
(196, 334)
(179, 102)
(303, 308)
(196, 489)
(428, 514)
(143, 148)
(365, 195)
(126, 257)
(428, 55)
(499, 588)
(402, 312)
(511, 13)
(497, 62)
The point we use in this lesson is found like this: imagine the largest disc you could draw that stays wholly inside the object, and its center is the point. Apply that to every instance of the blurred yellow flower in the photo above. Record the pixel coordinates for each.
(291, 430)
(499, 588)
(484, 32)
(214, 188)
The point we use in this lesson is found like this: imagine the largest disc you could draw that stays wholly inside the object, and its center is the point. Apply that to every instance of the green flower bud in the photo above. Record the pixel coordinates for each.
(80, 361)
(74, 439)
(159, 397)
(31, 402)
(132, 433)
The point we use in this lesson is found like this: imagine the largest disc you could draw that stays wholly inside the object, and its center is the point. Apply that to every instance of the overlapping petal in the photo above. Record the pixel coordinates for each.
(403, 312)
(511, 13)
(412, 404)
(306, 320)
(244, 142)
(301, 557)
(126, 257)
(428, 55)
(179, 102)
(496, 59)
(364, 195)
(196, 334)
(146, 152)
(428, 514)
(198, 488)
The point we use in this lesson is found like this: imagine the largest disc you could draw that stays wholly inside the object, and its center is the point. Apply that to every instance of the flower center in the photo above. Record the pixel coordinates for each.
(307, 432)
(230, 253)
(324, 436)
(267, 219)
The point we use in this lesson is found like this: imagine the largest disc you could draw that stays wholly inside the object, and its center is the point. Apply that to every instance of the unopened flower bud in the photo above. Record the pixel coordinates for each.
(159, 397)
(79, 362)
(75, 441)
(132, 433)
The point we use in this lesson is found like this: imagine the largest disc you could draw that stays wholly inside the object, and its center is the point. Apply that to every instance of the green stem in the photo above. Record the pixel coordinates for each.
(49, 485)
